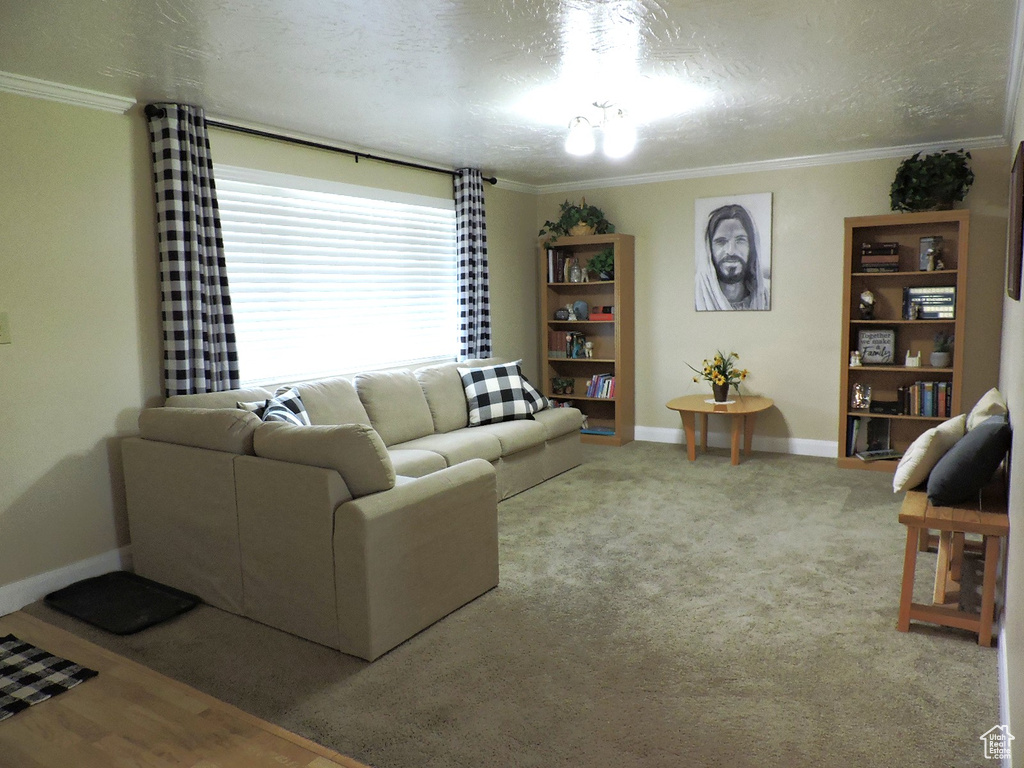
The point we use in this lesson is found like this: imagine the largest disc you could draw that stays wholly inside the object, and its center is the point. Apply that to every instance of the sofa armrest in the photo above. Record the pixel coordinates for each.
(285, 528)
(406, 557)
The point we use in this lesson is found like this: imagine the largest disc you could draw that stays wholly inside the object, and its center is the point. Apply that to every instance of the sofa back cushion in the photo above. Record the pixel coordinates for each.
(446, 398)
(354, 450)
(217, 429)
(226, 399)
(332, 401)
(396, 405)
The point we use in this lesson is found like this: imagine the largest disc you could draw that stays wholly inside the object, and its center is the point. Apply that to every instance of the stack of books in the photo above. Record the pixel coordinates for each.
(880, 257)
(929, 302)
(601, 385)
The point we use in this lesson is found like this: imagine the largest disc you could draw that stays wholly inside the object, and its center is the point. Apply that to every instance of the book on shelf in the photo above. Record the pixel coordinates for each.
(875, 268)
(602, 385)
(602, 316)
(927, 398)
(889, 247)
(597, 431)
(883, 453)
(865, 433)
(931, 302)
(879, 258)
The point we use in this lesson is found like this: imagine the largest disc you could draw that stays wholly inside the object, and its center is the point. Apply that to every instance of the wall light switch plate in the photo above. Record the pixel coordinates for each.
(5, 329)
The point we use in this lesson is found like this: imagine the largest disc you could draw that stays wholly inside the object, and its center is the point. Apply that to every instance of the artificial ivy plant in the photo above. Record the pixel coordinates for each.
(603, 263)
(931, 182)
(570, 215)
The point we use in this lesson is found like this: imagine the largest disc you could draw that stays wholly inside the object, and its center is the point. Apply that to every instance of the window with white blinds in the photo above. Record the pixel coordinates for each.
(328, 278)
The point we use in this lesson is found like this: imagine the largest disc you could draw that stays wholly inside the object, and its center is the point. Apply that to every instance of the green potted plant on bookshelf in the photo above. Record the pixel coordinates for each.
(933, 182)
(602, 264)
(943, 350)
(575, 220)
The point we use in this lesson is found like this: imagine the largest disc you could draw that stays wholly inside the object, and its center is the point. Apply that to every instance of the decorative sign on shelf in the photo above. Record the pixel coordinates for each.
(877, 347)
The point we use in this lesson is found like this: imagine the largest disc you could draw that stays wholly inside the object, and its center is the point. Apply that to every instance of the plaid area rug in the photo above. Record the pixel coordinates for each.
(29, 675)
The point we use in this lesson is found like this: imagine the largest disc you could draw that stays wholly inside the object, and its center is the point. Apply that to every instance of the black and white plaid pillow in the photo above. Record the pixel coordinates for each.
(494, 394)
(285, 405)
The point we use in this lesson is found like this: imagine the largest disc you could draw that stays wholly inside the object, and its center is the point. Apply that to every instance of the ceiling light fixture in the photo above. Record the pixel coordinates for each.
(618, 133)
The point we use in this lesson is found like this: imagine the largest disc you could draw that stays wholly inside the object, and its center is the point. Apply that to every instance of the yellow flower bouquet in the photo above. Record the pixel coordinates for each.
(721, 370)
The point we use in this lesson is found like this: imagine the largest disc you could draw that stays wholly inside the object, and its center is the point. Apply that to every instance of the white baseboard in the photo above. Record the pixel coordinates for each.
(828, 449)
(1004, 686)
(16, 596)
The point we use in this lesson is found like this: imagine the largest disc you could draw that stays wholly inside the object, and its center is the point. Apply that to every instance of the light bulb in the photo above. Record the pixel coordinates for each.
(619, 136)
(580, 140)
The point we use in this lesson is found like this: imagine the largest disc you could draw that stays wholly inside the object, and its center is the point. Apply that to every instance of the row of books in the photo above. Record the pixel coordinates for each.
(601, 385)
(929, 302)
(926, 398)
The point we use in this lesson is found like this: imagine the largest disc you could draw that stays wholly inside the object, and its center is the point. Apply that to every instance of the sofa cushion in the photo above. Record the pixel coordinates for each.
(969, 465)
(354, 450)
(446, 398)
(494, 394)
(923, 454)
(458, 446)
(559, 421)
(991, 404)
(411, 462)
(515, 436)
(395, 404)
(332, 401)
(217, 429)
(225, 399)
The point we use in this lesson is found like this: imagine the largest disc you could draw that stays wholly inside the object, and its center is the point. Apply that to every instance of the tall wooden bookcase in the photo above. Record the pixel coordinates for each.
(913, 335)
(612, 417)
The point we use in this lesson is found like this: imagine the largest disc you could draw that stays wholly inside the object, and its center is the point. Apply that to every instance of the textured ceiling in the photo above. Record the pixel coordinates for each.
(493, 83)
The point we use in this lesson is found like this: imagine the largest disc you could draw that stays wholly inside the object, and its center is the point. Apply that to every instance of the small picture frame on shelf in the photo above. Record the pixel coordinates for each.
(930, 254)
(877, 347)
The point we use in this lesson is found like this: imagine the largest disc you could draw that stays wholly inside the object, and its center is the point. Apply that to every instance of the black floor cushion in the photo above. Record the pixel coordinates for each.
(121, 602)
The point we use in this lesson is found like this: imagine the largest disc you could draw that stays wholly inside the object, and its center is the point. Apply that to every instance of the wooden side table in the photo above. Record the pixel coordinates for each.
(743, 411)
(987, 518)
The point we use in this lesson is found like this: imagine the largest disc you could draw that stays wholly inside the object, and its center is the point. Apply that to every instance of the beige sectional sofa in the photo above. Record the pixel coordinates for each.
(355, 532)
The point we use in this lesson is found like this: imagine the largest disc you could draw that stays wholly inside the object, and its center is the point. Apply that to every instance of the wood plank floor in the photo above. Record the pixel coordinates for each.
(130, 715)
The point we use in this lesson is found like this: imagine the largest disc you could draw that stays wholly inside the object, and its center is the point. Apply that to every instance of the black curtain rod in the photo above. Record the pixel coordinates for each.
(153, 110)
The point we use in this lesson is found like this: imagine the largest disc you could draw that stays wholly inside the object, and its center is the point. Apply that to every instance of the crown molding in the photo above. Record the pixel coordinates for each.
(518, 186)
(781, 164)
(66, 94)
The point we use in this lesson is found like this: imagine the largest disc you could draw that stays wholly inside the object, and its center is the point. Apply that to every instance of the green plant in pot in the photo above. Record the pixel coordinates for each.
(943, 350)
(577, 220)
(602, 264)
(932, 182)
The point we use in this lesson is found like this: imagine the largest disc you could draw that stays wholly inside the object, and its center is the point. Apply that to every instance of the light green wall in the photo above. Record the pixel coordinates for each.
(80, 288)
(792, 350)
(1011, 384)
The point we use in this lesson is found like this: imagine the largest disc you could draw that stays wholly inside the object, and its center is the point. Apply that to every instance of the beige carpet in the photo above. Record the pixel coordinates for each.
(651, 612)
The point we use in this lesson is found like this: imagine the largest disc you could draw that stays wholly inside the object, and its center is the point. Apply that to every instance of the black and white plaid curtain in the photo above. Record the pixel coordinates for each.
(474, 294)
(199, 336)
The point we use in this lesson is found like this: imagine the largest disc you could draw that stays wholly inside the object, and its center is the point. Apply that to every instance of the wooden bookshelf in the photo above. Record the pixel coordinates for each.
(613, 347)
(913, 335)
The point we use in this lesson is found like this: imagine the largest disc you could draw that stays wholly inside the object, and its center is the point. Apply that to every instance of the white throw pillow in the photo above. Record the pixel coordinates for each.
(992, 403)
(925, 452)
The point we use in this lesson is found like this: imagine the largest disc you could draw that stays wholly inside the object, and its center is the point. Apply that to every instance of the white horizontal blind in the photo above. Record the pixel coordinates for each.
(330, 279)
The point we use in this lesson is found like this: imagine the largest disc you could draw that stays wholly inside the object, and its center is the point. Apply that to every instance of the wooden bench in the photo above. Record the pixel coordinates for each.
(986, 517)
